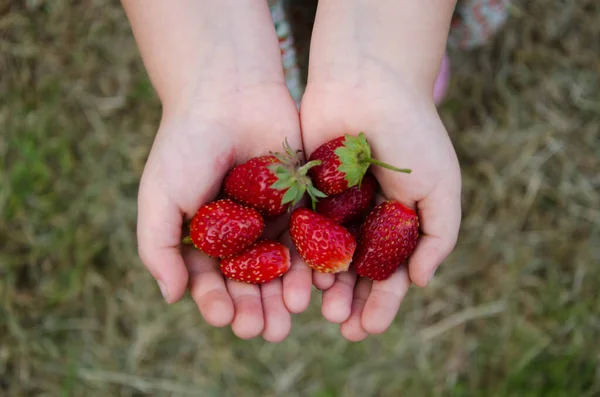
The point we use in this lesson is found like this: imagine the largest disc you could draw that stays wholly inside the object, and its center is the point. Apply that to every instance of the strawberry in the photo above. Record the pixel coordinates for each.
(223, 228)
(262, 262)
(324, 245)
(387, 238)
(352, 204)
(249, 184)
(344, 163)
(271, 184)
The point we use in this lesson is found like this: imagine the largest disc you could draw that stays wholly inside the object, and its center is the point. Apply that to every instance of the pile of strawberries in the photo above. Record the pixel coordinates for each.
(342, 229)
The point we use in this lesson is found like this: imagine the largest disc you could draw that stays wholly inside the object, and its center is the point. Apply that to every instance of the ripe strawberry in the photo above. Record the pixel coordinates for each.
(387, 238)
(223, 228)
(324, 245)
(262, 262)
(271, 184)
(352, 204)
(249, 184)
(344, 162)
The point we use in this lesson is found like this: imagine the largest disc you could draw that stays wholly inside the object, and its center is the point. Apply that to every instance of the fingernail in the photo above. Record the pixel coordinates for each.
(163, 290)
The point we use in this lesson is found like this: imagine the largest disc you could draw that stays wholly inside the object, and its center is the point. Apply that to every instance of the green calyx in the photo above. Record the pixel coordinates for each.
(355, 159)
(292, 176)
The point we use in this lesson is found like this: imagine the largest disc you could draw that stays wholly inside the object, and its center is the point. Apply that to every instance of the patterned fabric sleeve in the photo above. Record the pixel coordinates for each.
(476, 21)
(289, 54)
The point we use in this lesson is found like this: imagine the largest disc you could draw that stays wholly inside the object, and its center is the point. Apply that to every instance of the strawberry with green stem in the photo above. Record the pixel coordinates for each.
(273, 183)
(344, 163)
(294, 181)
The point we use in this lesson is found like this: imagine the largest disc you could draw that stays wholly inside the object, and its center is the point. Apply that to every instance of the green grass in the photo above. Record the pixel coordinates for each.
(513, 312)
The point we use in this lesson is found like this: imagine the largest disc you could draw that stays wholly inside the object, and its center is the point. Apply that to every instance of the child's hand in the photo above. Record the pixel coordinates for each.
(372, 69)
(216, 66)
(404, 130)
(192, 153)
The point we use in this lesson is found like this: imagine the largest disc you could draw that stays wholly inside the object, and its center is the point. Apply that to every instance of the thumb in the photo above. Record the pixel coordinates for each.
(159, 235)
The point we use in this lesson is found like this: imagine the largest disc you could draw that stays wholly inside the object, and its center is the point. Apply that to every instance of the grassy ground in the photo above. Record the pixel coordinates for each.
(513, 312)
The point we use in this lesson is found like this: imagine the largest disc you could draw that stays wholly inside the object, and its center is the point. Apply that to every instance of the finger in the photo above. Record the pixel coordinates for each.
(248, 321)
(297, 281)
(352, 328)
(439, 215)
(277, 318)
(337, 300)
(323, 281)
(379, 198)
(207, 288)
(158, 235)
(384, 301)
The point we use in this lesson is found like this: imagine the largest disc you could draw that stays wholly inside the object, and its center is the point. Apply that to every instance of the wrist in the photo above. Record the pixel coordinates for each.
(198, 49)
(223, 101)
(365, 42)
(209, 88)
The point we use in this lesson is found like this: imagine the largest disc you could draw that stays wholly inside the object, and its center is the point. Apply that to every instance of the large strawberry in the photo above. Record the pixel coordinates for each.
(344, 163)
(223, 228)
(387, 238)
(271, 184)
(323, 244)
(352, 204)
(262, 262)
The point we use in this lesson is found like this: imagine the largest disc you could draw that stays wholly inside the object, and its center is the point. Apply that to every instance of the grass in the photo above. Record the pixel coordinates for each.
(513, 312)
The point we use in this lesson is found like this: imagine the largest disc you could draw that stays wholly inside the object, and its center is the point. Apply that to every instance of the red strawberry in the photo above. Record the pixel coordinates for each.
(351, 205)
(324, 245)
(344, 163)
(271, 184)
(249, 183)
(387, 238)
(223, 228)
(262, 262)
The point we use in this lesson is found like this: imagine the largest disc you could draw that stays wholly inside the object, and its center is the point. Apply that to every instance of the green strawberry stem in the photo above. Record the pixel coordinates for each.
(387, 166)
(304, 169)
(292, 176)
(187, 241)
(314, 193)
(355, 159)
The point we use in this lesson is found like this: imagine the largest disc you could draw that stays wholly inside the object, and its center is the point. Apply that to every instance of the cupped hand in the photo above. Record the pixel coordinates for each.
(193, 150)
(404, 129)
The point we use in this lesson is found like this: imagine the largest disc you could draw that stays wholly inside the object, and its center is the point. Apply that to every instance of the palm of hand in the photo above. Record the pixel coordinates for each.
(406, 132)
(190, 157)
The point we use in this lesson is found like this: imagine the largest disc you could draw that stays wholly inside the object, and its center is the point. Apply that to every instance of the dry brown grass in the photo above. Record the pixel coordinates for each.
(513, 312)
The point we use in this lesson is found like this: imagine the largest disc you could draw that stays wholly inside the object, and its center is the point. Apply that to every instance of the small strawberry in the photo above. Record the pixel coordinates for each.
(352, 204)
(324, 245)
(262, 262)
(271, 184)
(387, 238)
(223, 228)
(344, 163)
